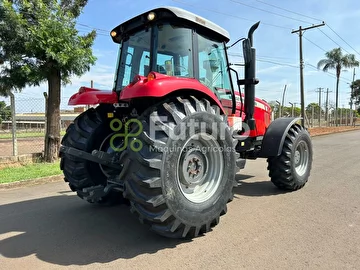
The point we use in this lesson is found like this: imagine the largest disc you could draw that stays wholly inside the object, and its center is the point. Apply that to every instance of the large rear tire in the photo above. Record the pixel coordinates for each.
(179, 182)
(291, 169)
(90, 130)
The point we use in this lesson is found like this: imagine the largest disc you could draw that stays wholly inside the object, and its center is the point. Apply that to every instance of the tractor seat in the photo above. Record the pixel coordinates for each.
(160, 69)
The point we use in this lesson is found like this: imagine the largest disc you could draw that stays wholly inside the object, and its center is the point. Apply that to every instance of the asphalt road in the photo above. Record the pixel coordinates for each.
(318, 227)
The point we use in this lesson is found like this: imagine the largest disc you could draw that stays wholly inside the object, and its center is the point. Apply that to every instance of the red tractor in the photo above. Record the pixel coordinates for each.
(172, 134)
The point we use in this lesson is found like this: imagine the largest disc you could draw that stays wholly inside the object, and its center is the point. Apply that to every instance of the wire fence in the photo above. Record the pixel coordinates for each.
(316, 117)
(25, 133)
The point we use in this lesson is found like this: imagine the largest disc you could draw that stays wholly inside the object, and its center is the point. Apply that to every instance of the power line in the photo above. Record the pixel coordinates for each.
(264, 10)
(328, 73)
(278, 57)
(276, 63)
(263, 56)
(93, 28)
(287, 10)
(230, 15)
(97, 34)
(332, 40)
(342, 39)
(299, 14)
(314, 44)
(266, 61)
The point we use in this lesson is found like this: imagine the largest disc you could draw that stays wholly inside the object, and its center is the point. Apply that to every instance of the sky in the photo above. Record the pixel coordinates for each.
(277, 48)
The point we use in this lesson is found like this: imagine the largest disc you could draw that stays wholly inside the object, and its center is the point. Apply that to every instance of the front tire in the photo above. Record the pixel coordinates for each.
(291, 169)
(179, 190)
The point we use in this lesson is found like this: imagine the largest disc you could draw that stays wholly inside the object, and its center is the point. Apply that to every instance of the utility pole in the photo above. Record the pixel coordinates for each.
(327, 104)
(319, 116)
(341, 114)
(13, 124)
(302, 95)
(292, 109)
(45, 119)
(312, 116)
(283, 97)
(346, 117)
(279, 106)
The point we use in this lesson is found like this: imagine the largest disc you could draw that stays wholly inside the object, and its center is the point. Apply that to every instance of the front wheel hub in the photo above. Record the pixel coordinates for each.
(193, 162)
(301, 158)
(200, 168)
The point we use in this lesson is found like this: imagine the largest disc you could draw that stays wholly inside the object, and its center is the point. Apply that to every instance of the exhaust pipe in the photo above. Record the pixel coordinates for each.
(250, 80)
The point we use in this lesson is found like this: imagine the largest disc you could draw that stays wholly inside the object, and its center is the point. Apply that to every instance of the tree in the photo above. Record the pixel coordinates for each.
(5, 112)
(355, 91)
(39, 42)
(336, 60)
(309, 109)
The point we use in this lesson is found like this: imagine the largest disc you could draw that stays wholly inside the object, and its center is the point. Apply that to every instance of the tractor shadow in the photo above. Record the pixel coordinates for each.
(64, 230)
(249, 187)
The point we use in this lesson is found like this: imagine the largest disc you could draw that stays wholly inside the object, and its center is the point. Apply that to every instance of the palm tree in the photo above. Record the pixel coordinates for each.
(335, 59)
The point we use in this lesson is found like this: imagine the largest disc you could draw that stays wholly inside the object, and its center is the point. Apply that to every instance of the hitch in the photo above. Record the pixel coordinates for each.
(96, 156)
(96, 193)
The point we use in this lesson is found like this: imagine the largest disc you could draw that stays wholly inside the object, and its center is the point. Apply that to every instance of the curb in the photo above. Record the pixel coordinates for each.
(32, 182)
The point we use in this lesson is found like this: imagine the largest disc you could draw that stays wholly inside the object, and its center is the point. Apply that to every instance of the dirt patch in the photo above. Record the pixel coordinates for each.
(317, 131)
(16, 161)
(25, 146)
(11, 165)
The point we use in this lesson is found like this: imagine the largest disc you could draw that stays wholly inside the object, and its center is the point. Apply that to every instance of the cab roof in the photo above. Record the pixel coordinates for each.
(171, 13)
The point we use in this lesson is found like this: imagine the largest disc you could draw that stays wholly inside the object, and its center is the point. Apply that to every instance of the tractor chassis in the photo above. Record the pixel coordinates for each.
(96, 156)
(95, 193)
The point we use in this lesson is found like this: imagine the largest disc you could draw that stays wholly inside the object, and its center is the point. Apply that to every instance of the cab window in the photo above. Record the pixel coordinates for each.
(212, 67)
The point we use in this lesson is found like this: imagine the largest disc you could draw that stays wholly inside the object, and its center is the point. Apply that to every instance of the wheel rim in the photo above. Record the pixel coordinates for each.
(200, 168)
(301, 158)
(106, 147)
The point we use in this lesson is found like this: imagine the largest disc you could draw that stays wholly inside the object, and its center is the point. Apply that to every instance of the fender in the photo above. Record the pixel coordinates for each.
(163, 85)
(91, 96)
(275, 135)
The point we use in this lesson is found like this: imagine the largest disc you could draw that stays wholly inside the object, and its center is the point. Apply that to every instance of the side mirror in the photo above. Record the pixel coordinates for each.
(247, 51)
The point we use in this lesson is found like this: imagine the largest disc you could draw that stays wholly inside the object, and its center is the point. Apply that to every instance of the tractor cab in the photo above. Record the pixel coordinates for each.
(173, 42)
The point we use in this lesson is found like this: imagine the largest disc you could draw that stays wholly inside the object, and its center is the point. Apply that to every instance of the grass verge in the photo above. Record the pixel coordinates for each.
(29, 171)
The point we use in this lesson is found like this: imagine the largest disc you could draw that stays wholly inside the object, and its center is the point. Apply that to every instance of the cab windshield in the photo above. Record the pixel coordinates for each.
(172, 54)
(172, 50)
